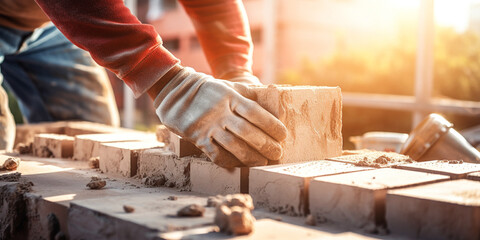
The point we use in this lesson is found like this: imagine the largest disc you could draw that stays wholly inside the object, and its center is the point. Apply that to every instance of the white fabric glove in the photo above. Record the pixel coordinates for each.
(231, 129)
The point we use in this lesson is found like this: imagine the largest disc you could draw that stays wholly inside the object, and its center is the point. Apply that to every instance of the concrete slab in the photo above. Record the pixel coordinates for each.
(453, 168)
(53, 145)
(121, 158)
(162, 163)
(87, 146)
(358, 199)
(208, 178)
(312, 115)
(377, 159)
(284, 188)
(446, 210)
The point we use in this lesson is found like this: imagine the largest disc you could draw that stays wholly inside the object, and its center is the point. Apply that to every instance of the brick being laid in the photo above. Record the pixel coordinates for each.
(445, 210)
(87, 146)
(182, 147)
(53, 145)
(284, 188)
(455, 169)
(358, 199)
(208, 178)
(121, 158)
(312, 115)
(162, 164)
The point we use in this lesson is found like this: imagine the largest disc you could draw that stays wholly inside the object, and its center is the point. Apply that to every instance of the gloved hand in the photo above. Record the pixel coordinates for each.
(231, 129)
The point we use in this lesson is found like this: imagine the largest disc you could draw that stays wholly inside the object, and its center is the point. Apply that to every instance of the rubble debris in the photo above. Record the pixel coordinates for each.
(381, 161)
(24, 187)
(23, 148)
(172, 198)
(452, 161)
(214, 201)
(11, 163)
(154, 181)
(310, 220)
(96, 183)
(128, 209)
(10, 177)
(234, 215)
(94, 162)
(241, 221)
(192, 210)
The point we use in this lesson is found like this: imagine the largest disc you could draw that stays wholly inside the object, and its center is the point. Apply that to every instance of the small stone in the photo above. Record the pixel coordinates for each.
(172, 198)
(96, 183)
(155, 181)
(310, 220)
(192, 210)
(128, 209)
(94, 162)
(240, 200)
(241, 221)
(222, 213)
(11, 163)
(215, 201)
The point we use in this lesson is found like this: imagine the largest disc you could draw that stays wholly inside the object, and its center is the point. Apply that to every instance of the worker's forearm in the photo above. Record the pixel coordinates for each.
(224, 21)
(115, 39)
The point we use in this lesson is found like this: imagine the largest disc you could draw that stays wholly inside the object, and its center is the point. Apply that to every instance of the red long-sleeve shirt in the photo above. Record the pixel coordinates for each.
(132, 50)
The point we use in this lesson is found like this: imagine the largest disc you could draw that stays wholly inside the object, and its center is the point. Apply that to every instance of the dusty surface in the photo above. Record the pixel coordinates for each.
(192, 210)
(208, 178)
(454, 168)
(96, 183)
(313, 117)
(449, 210)
(375, 159)
(53, 145)
(357, 199)
(284, 188)
(101, 211)
(159, 163)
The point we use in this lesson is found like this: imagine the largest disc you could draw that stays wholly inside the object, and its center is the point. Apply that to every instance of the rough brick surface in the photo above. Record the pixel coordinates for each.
(182, 147)
(86, 146)
(206, 177)
(358, 199)
(53, 145)
(376, 159)
(446, 210)
(25, 133)
(121, 158)
(453, 168)
(159, 162)
(313, 117)
(284, 188)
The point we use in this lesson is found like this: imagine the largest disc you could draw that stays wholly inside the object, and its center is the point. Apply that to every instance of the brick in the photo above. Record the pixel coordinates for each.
(25, 133)
(86, 146)
(284, 188)
(53, 145)
(313, 117)
(121, 158)
(159, 162)
(82, 127)
(208, 178)
(163, 134)
(377, 159)
(446, 210)
(358, 199)
(453, 168)
(474, 176)
(182, 147)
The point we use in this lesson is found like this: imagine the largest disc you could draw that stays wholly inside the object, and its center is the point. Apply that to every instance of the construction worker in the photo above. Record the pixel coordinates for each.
(54, 80)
